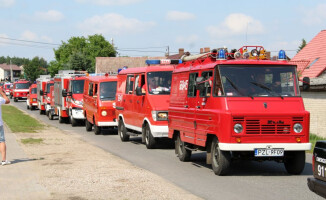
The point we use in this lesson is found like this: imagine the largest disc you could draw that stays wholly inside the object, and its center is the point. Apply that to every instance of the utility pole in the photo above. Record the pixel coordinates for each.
(11, 73)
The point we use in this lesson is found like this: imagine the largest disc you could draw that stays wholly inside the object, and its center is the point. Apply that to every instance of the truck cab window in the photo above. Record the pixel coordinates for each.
(192, 85)
(90, 89)
(206, 91)
(130, 84)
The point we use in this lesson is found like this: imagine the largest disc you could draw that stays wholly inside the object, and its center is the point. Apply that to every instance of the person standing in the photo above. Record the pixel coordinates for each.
(3, 100)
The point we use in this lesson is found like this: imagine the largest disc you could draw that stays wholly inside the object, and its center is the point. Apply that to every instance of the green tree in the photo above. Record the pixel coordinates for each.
(33, 69)
(303, 44)
(54, 67)
(79, 53)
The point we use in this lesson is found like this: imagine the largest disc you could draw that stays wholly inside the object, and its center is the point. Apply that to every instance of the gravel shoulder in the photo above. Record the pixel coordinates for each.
(70, 168)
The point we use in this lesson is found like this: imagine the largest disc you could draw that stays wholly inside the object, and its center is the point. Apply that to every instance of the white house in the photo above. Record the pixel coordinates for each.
(6, 71)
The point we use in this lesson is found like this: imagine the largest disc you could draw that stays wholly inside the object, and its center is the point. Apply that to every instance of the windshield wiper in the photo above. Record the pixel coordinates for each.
(267, 88)
(235, 87)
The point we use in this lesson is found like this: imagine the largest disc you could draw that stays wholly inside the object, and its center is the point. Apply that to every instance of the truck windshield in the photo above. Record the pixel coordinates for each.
(108, 90)
(34, 91)
(259, 81)
(159, 82)
(22, 85)
(77, 86)
(48, 87)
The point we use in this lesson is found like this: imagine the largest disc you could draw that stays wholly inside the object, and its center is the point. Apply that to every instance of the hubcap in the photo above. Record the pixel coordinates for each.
(147, 136)
(216, 155)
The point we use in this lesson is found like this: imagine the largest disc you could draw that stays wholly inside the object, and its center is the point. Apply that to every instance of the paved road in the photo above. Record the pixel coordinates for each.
(249, 180)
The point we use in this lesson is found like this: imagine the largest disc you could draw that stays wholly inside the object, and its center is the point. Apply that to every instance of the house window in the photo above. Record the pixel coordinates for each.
(313, 62)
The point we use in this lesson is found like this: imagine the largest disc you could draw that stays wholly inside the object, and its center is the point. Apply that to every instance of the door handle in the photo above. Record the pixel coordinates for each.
(186, 106)
(197, 106)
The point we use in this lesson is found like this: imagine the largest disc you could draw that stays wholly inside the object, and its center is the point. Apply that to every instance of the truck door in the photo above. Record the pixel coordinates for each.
(203, 118)
(139, 100)
(190, 105)
(128, 100)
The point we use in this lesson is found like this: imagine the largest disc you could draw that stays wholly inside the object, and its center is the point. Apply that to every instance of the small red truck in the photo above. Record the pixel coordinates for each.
(6, 88)
(20, 90)
(142, 102)
(31, 101)
(99, 102)
(41, 83)
(239, 106)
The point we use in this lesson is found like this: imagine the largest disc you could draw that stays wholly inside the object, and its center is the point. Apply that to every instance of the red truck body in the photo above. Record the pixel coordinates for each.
(42, 92)
(99, 102)
(31, 101)
(20, 90)
(142, 102)
(213, 109)
(6, 88)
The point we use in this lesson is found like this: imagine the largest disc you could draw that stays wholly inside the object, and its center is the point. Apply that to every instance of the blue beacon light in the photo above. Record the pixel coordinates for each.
(281, 55)
(221, 54)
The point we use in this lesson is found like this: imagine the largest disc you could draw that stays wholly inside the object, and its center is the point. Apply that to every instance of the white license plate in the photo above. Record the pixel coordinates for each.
(269, 152)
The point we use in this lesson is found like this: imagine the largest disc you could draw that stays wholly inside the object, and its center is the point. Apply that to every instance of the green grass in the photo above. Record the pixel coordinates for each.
(32, 140)
(19, 121)
(313, 138)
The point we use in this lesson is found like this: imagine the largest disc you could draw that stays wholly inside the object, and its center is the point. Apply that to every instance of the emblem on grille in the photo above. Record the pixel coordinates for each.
(265, 104)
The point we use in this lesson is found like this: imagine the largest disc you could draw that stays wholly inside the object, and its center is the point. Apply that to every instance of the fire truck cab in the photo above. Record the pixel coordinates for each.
(99, 102)
(142, 102)
(20, 90)
(238, 106)
(42, 83)
(31, 101)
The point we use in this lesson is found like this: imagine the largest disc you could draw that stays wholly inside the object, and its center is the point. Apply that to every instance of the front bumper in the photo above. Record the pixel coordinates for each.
(77, 114)
(159, 131)
(47, 107)
(253, 146)
(317, 186)
(107, 123)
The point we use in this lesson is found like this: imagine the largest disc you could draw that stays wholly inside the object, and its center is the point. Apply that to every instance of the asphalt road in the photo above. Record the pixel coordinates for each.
(248, 179)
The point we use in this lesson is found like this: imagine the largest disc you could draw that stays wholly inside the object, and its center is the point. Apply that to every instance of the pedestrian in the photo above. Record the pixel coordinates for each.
(3, 100)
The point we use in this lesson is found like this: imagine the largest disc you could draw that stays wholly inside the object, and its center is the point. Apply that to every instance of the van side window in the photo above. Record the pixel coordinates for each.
(206, 91)
(217, 89)
(136, 83)
(130, 84)
(95, 90)
(90, 89)
(192, 85)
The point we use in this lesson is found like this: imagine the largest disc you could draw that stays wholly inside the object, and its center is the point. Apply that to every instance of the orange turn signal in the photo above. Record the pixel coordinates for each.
(298, 140)
(238, 140)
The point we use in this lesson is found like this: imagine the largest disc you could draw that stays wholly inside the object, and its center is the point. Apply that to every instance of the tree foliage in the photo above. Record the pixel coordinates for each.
(303, 44)
(34, 68)
(14, 60)
(79, 53)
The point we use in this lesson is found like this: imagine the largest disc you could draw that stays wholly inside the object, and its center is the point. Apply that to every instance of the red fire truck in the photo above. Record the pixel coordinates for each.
(74, 98)
(239, 106)
(51, 105)
(31, 101)
(6, 88)
(20, 90)
(99, 102)
(42, 92)
(142, 102)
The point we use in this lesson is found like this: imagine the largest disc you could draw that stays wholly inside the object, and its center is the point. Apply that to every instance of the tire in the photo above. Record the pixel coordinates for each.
(150, 141)
(10, 97)
(122, 131)
(15, 99)
(294, 161)
(32, 107)
(88, 125)
(73, 121)
(47, 113)
(220, 159)
(41, 112)
(61, 120)
(97, 129)
(27, 107)
(183, 153)
(50, 116)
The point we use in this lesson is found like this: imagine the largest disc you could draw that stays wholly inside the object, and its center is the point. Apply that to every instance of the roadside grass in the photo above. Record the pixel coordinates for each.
(313, 139)
(32, 141)
(19, 121)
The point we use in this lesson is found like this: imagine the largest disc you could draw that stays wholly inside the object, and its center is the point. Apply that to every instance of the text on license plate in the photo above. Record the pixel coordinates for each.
(269, 152)
(321, 170)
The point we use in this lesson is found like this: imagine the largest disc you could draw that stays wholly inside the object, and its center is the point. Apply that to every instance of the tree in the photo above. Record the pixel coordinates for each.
(303, 44)
(33, 69)
(79, 53)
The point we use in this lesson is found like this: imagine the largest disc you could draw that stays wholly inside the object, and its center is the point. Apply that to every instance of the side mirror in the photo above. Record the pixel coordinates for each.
(138, 91)
(64, 93)
(306, 83)
(41, 92)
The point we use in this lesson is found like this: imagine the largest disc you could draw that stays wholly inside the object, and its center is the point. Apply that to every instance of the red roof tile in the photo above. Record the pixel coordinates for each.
(313, 50)
(7, 67)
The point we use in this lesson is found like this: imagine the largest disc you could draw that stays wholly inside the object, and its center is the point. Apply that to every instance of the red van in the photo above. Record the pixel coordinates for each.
(6, 88)
(42, 92)
(99, 102)
(239, 106)
(20, 90)
(31, 101)
(142, 102)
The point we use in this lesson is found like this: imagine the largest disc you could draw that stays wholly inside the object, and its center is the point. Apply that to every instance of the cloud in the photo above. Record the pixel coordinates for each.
(6, 3)
(3, 41)
(109, 2)
(28, 35)
(113, 24)
(179, 16)
(236, 24)
(314, 16)
(51, 16)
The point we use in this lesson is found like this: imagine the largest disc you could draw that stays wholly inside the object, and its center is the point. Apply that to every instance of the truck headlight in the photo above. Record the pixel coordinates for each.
(297, 128)
(160, 115)
(104, 113)
(238, 128)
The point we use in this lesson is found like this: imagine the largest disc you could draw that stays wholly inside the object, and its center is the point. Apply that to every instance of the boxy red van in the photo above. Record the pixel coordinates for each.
(31, 101)
(142, 102)
(239, 106)
(20, 90)
(99, 102)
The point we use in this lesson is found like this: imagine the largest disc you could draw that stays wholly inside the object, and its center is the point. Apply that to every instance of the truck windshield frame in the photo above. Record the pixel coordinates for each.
(256, 81)
(22, 85)
(77, 86)
(108, 90)
(159, 83)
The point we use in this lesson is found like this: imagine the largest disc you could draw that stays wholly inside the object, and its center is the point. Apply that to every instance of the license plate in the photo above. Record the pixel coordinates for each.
(268, 152)
(320, 170)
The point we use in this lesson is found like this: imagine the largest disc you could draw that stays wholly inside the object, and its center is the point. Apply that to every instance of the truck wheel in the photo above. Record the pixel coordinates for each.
(150, 141)
(27, 107)
(122, 131)
(183, 153)
(97, 129)
(32, 107)
(10, 97)
(50, 116)
(220, 159)
(61, 120)
(88, 125)
(294, 161)
(47, 113)
(15, 100)
(73, 121)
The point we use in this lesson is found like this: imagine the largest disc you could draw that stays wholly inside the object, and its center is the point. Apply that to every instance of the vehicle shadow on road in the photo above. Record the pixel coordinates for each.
(162, 144)
(19, 160)
(250, 168)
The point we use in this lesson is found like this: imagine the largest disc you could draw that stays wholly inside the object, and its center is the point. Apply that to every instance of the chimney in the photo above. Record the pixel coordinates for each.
(181, 51)
(201, 50)
(206, 50)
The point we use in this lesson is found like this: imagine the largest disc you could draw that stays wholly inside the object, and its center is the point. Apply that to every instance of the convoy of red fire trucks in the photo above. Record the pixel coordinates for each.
(234, 106)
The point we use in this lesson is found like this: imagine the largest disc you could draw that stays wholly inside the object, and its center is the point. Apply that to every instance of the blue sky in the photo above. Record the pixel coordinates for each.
(139, 24)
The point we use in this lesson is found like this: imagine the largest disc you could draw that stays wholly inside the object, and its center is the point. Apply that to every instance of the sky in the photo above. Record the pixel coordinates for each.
(32, 28)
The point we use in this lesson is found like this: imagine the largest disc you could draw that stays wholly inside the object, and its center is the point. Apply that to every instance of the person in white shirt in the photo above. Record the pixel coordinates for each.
(3, 100)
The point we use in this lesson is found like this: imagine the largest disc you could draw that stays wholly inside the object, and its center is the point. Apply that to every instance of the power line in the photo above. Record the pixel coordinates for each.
(30, 41)
(27, 45)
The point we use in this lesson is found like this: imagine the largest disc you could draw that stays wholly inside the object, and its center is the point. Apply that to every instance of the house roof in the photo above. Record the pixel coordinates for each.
(311, 60)
(7, 67)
